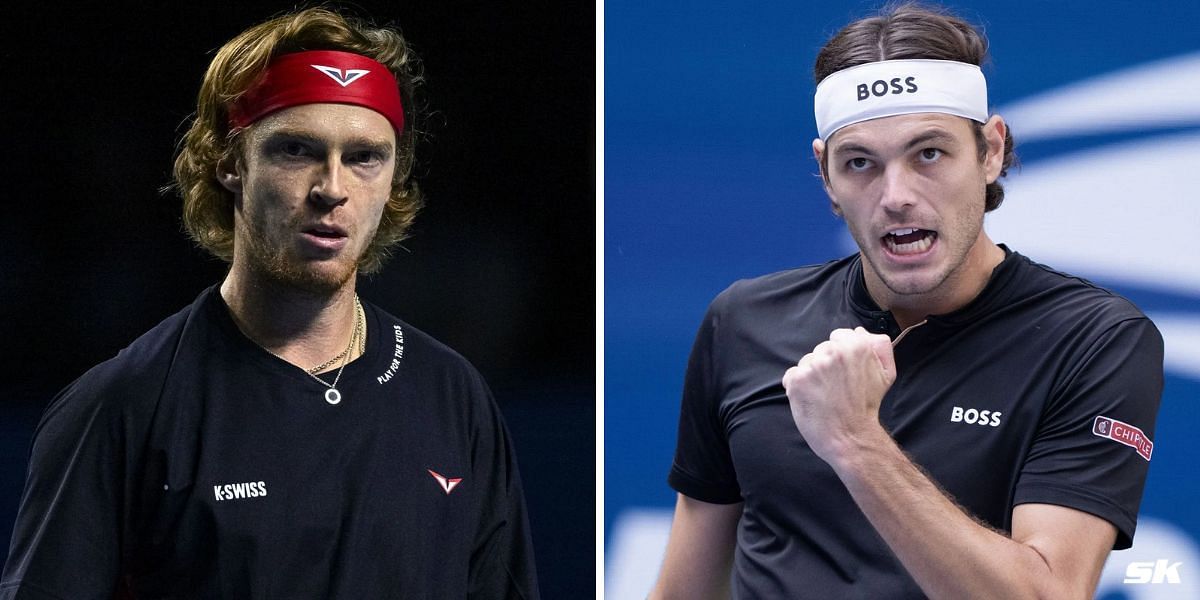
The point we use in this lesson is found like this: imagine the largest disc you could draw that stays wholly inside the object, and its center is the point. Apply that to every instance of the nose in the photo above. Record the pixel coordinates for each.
(897, 193)
(330, 187)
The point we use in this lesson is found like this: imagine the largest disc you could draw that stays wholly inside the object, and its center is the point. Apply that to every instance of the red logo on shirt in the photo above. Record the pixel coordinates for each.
(448, 483)
(1125, 433)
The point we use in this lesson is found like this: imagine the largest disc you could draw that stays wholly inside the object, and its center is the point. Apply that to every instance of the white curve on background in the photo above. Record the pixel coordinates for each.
(1161, 93)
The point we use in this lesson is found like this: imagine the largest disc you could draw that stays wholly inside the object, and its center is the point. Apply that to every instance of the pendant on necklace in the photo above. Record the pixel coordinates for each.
(333, 396)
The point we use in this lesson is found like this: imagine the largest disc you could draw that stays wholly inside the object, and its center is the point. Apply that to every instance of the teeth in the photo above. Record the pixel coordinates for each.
(916, 247)
(902, 231)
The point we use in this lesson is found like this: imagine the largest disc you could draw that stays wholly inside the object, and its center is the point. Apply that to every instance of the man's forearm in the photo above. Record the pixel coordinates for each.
(945, 550)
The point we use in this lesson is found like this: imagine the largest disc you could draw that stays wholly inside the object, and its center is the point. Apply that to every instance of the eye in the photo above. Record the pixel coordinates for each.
(365, 157)
(292, 148)
(858, 164)
(930, 154)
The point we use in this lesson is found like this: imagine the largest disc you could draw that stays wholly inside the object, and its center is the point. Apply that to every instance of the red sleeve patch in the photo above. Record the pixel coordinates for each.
(1125, 433)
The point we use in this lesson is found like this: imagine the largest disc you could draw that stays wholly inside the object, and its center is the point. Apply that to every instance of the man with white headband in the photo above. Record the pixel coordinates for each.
(280, 438)
(934, 416)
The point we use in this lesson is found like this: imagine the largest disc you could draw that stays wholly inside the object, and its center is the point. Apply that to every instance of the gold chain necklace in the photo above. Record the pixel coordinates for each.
(332, 395)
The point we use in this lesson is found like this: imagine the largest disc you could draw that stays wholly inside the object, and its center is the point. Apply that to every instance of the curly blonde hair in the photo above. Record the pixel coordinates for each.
(208, 206)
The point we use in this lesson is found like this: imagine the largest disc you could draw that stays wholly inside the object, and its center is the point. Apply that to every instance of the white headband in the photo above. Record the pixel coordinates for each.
(899, 87)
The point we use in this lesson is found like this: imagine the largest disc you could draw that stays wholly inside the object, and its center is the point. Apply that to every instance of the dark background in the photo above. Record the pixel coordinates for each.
(501, 265)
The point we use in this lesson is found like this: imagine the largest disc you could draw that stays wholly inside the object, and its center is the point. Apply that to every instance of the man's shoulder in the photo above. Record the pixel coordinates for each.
(1068, 294)
(417, 345)
(130, 377)
(787, 286)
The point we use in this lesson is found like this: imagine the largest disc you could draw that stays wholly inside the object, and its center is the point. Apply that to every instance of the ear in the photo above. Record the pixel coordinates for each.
(229, 175)
(994, 132)
(818, 147)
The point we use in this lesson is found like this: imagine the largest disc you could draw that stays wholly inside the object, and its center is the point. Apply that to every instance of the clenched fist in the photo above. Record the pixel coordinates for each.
(835, 390)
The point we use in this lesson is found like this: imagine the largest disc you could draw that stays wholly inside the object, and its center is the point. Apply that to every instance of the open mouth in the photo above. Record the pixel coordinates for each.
(909, 241)
(325, 238)
(325, 232)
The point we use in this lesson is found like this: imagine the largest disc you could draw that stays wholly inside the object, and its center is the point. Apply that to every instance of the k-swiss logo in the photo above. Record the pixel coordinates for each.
(344, 78)
(1125, 433)
(448, 483)
(232, 491)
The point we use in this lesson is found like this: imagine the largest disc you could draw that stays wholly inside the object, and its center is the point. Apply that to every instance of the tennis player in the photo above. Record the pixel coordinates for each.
(280, 437)
(934, 416)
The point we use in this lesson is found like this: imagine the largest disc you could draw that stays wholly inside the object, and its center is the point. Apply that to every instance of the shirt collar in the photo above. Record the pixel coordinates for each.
(994, 294)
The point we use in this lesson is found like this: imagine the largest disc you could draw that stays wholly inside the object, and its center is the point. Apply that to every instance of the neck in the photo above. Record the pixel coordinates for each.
(959, 288)
(303, 327)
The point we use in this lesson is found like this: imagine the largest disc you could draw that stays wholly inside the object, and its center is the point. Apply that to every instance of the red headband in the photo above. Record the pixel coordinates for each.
(320, 76)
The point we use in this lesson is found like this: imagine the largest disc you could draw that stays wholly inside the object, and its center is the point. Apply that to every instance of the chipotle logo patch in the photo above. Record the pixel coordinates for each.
(1125, 433)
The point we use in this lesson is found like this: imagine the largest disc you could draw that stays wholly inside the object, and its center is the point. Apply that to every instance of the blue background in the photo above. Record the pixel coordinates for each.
(709, 178)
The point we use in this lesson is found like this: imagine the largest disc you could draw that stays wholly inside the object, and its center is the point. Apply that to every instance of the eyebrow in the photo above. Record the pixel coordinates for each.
(930, 136)
(935, 135)
(373, 145)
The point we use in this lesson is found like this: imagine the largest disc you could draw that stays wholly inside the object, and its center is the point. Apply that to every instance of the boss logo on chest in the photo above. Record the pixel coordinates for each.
(883, 87)
(973, 416)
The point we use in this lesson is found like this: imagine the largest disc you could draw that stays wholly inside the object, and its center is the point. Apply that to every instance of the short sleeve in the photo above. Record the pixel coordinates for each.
(502, 563)
(1093, 448)
(703, 467)
(66, 539)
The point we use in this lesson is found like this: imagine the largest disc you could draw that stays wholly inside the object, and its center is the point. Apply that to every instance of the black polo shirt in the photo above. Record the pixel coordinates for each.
(197, 465)
(1044, 389)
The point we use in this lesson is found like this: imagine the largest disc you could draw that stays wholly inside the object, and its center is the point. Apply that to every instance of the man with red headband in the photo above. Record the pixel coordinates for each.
(280, 438)
(933, 416)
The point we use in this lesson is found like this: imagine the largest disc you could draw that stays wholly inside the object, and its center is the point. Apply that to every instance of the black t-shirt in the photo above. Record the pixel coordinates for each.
(195, 464)
(1044, 389)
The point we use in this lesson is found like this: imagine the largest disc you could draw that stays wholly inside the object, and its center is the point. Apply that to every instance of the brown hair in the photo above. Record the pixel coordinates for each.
(208, 206)
(911, 30)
